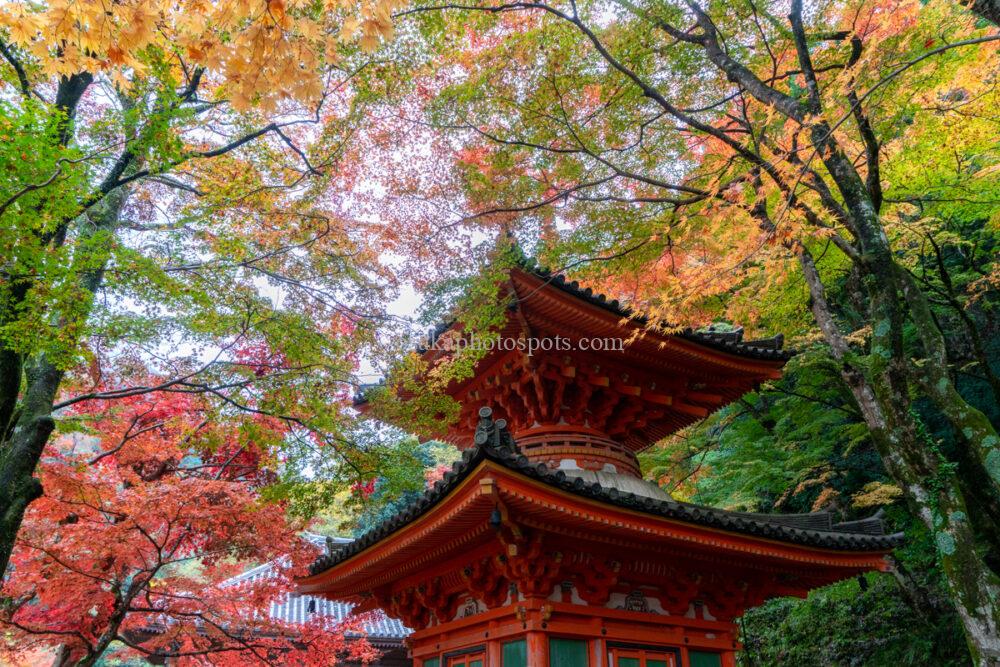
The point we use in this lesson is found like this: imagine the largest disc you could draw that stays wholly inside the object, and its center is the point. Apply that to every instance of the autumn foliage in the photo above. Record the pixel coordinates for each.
(142, 524)
(205, 206)
(264, 51)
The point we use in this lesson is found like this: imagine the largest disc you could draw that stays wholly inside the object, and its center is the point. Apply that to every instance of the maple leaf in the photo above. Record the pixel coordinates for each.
(119, 37)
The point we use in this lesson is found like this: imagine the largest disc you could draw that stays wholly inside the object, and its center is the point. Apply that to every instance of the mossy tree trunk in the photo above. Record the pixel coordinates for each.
(881, 383)
(31, 422)
(881, 380)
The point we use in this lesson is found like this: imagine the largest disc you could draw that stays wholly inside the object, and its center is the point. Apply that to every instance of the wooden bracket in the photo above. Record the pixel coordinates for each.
(595, 580)
(486, 582)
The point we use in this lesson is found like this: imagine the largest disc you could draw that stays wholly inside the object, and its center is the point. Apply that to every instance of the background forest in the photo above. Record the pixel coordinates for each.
(221, 220)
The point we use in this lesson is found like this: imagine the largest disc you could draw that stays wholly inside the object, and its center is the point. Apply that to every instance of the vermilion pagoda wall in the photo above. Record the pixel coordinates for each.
(538, 620)
(505, 556)
(534, 591)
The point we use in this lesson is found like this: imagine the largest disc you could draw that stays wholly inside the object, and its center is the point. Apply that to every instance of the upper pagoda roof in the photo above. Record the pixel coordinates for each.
(730, 342)
(652, 382)
(493, 444)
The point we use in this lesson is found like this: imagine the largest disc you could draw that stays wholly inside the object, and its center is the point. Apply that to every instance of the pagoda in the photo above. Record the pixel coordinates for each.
(544, 546)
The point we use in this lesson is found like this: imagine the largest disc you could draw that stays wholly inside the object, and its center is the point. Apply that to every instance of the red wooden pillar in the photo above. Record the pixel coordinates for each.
(494, 656)
(538, 649)
(598, 653)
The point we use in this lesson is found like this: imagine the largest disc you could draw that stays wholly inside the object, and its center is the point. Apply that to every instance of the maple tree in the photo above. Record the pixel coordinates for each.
(164, 205)
(709, 160)
(140, 530)
(197, 199)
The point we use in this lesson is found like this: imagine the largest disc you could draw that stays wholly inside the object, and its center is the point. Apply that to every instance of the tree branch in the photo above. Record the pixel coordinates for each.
(13, 61)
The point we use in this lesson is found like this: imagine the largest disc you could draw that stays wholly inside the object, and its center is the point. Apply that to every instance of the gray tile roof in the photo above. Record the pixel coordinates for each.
(493, 442)
(294, 608)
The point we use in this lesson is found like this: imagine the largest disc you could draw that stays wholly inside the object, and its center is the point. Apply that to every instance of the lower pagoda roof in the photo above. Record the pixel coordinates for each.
(495, 448)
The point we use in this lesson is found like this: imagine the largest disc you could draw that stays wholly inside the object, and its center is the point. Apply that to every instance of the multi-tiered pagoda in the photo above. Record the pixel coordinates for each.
(544, 546)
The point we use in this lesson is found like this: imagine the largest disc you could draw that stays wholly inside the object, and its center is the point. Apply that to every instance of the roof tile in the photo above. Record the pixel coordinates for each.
(494, 443)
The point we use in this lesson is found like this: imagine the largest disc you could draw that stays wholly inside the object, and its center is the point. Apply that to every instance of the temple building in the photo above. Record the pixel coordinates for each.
(544, 545)
(383, 633)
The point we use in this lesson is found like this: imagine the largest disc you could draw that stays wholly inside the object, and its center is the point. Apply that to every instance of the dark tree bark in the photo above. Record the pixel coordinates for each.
(21, 450)
(988, 9)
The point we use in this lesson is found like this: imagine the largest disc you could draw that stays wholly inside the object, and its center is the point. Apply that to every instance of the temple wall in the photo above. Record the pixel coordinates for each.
(541, 632)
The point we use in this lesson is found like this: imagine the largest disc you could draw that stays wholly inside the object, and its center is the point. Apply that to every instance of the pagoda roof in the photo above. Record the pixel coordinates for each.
(673, 377)
(730, 342)
(493, 445)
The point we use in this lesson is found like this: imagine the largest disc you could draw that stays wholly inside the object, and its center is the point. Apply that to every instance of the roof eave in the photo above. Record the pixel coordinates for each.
(481, 460)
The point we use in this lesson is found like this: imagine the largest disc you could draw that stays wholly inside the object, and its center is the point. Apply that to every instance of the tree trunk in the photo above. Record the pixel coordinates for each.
(21, 450)
(973, 429)
(881, 385)
(934, 492)
(988, 9)
(984, 508)
(931, 485)
(920, 599)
